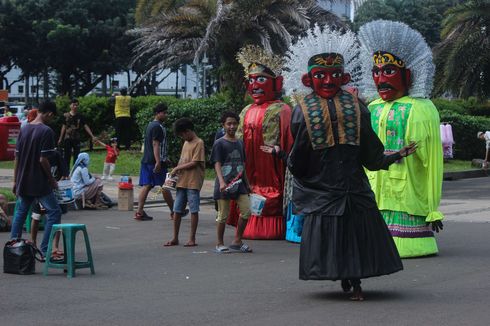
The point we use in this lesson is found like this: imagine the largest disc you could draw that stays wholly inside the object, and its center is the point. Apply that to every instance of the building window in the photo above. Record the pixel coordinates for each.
(20, 89)
(115, 84)
(33, 89)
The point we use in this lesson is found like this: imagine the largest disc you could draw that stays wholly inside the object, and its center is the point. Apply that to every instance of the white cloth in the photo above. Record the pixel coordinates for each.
(487, 139)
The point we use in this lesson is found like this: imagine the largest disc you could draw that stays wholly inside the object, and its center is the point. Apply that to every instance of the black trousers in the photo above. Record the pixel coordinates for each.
(123, 132)
(72, 147)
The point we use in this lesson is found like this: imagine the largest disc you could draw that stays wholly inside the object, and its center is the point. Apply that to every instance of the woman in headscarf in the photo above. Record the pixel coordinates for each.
(84, 183)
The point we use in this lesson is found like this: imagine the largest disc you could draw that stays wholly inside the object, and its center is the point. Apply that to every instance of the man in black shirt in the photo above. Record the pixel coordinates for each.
(70, 132)
(32, 173)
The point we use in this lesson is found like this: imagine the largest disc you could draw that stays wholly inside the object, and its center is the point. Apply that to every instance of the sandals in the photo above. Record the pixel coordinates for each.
(142, 217)
(221, 249)
(243, 248)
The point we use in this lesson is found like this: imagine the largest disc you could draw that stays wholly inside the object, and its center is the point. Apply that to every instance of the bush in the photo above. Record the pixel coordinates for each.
(470, 107)
(7, 193)
(465, 127)
(204, 113)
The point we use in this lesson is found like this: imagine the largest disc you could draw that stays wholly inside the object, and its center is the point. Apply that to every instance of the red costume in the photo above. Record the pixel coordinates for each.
(266, 122)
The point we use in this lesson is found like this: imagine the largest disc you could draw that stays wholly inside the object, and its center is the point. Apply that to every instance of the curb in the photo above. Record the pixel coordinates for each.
(451, 176)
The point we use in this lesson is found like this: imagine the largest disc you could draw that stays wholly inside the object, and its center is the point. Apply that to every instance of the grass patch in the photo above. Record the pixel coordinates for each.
(128, 163)
(458, 165)
(7, 193)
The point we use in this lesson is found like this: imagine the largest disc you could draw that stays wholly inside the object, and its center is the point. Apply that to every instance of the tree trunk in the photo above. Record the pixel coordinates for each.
(177, 83)
(104, 85)
(45, 83)
(27, 89)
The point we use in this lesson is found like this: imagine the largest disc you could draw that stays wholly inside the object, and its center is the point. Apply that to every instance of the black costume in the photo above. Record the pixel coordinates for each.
(344, 235)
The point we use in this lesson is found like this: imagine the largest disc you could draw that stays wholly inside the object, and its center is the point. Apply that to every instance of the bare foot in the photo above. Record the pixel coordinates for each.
(357, 294)
(171, 243)
(190, 244)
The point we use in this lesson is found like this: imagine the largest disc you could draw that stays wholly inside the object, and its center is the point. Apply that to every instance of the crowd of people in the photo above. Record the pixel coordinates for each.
(357, 185)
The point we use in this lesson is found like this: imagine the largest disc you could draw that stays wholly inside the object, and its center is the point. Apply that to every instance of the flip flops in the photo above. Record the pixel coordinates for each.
(222, 249)
(243, 248)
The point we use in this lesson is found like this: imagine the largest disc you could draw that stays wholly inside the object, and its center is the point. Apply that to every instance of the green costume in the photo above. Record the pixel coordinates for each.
(409, 192)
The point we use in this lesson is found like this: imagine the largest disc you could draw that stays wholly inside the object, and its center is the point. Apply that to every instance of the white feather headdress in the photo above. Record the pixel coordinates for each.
(404, 42)
(315, 42)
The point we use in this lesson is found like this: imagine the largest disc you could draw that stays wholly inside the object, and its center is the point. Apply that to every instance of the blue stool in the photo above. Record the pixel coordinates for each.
(69, 237)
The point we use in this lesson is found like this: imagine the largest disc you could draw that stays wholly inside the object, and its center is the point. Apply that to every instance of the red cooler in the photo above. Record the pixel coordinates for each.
(9, 132)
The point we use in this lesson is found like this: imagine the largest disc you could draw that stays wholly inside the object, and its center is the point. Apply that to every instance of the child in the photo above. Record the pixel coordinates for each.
(190, 171)
(110, 159)
(228, 156)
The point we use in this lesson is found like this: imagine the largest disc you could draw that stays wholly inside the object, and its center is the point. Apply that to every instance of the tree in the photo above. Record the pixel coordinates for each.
(220, 28)
(423, 15)
(82, 41)
(146, 9)
(463, 57)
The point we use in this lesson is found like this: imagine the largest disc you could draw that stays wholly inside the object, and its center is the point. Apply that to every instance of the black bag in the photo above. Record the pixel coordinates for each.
(19, 257)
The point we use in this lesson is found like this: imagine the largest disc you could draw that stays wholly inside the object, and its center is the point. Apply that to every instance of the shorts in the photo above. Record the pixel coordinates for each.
(243, 202)
(37, 210)
(186, 196)
(148, 177)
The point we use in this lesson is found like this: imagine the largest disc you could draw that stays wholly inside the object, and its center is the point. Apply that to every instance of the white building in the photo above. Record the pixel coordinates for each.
(188, 82)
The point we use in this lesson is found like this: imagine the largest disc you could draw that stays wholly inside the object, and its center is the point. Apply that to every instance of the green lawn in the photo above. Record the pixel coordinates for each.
(128, 163)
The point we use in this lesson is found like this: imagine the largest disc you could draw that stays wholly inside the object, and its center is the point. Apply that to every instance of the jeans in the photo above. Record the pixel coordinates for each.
(53, 210)
(186, 196)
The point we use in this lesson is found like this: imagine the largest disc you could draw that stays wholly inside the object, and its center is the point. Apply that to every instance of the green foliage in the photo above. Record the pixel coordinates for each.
(463, 57)
(467, 146)
(424, 16)
(204, 113)
(8, 193)
(470, 107)
(80, 40)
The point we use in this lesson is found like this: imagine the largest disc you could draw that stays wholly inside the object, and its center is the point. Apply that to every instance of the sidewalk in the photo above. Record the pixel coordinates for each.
(110, 187)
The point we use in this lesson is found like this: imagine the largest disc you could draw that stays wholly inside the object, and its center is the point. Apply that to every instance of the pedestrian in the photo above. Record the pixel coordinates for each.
(190, 172)
(86, 186)
(59, 172)
(344, 236)
(122, 112)
(486, 137)
(398, 73)
(154, 162)
(32, 173)
(73, 122)
(110, 159)
(6, 111)
(228, 157)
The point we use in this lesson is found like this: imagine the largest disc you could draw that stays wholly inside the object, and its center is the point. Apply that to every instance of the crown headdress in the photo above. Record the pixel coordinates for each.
(327, 48)
(383, 41)
(256, 60)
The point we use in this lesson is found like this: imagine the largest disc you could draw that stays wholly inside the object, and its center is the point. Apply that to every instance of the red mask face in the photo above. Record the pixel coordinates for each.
(262, 89)
(390, 81)
(326, 82)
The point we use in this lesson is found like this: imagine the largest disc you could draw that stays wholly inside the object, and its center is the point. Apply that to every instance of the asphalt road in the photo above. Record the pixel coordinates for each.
(139, 282)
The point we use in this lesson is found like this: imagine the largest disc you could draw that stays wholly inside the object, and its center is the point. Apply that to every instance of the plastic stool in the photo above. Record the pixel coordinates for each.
(69, 236)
